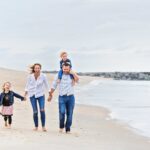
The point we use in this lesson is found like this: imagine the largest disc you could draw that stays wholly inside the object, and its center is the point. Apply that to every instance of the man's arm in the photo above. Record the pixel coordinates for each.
(54, 86)
(76, 77)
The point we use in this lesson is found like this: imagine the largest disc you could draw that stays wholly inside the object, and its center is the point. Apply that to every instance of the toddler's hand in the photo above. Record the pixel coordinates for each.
(72, 72)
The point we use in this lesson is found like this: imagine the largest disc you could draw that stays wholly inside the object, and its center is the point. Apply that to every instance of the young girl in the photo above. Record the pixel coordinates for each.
(7, 101)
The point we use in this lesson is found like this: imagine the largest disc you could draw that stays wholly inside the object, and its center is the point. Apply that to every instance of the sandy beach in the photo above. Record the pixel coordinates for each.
(92, 126)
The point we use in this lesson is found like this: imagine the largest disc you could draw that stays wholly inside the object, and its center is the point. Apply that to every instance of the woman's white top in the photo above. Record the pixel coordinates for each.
(37, 87)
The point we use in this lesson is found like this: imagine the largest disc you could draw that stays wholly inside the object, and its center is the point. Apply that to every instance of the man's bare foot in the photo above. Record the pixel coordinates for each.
(61, 130)
(35, 129)
(44, 129)
(6, 124)
(68, 132)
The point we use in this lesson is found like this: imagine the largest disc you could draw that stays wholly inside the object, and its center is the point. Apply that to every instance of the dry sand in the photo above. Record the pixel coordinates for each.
(92, 129)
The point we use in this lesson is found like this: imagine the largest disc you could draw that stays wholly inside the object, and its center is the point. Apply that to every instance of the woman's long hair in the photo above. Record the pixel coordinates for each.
(33, 66)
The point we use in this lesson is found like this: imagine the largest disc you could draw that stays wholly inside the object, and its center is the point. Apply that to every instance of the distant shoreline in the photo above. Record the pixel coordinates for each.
(142, 76)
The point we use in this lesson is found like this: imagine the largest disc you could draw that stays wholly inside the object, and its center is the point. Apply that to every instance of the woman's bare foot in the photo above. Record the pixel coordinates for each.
(44, 129)
(61, 130)
(35, 129)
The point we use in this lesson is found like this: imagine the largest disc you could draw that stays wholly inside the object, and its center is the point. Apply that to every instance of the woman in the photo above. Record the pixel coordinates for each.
(35, 87)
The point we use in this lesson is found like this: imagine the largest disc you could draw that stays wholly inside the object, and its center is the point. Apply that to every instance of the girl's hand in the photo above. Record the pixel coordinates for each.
(25, 98)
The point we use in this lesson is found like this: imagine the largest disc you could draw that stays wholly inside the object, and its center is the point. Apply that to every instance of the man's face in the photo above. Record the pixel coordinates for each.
(66, 69)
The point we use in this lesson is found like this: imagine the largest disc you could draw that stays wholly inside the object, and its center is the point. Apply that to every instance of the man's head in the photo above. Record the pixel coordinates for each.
(66, 67)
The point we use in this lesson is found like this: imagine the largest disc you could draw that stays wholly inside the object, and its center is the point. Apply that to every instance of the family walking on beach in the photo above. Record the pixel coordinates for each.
(36, 84)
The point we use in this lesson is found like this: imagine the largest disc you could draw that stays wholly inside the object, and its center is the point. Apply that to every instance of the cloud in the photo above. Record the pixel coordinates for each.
(110, 34)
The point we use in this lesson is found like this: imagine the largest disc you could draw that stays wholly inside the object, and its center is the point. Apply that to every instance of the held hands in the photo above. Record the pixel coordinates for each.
(25, 98)
(50, 98)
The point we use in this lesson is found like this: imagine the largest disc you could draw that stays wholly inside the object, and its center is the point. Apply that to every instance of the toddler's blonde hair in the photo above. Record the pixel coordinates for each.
(62, 53)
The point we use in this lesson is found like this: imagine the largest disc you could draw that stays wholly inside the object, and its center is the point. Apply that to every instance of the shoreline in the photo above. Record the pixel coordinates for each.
(118, 121)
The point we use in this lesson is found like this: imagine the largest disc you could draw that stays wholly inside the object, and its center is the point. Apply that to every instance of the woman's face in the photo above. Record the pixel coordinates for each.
(7, 86)
(37, 69)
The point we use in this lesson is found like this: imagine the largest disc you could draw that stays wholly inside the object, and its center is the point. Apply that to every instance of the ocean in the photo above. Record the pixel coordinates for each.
(128, 101)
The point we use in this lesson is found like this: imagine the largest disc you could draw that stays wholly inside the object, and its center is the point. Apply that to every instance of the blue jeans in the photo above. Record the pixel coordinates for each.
(66, 106)
(60, 73)
(41, 101)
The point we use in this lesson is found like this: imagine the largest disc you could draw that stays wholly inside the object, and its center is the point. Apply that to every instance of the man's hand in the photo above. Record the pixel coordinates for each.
(76, 78)
(50, 98)
(50, 94)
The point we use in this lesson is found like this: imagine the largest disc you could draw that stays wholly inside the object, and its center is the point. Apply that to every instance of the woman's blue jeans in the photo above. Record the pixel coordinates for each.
(41, 102)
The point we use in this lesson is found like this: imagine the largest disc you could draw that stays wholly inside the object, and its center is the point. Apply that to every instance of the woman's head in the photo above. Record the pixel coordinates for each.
(6, 86)
(63, 56)
(36, 68)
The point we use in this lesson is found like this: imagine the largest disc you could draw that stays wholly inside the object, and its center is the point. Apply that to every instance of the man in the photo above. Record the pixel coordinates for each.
(66, 96)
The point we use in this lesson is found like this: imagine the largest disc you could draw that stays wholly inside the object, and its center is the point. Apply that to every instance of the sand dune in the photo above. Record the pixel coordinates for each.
(92, 128)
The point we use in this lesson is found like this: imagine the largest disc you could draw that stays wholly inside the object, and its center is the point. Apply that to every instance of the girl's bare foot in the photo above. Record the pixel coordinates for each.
(35, 129)
(44, 129)
(6, 124)
(9, 126)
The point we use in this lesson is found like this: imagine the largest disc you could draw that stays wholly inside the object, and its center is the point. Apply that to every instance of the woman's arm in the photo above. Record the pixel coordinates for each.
(46, 83)
(27, 86)
(54, 86)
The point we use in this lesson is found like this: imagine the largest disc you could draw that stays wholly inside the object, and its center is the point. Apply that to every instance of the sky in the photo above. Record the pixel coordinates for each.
(99, 35)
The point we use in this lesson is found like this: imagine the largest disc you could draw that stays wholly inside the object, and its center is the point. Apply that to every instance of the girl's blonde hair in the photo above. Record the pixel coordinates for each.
(3, 87)
(62, 53)
(33, 66)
